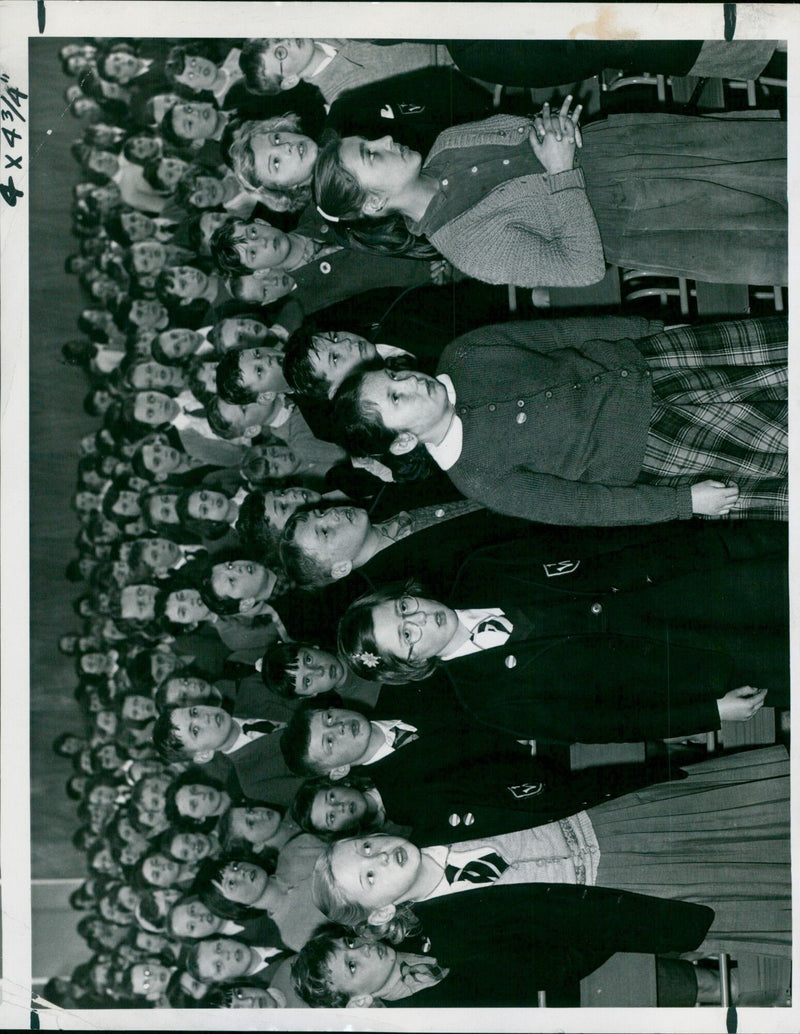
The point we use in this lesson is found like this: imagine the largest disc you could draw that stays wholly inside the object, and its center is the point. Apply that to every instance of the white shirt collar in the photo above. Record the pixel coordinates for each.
(329, 52)
(447, 452)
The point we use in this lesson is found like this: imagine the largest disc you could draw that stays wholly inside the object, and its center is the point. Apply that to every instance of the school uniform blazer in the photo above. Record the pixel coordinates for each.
(505, 943)
(468, 782)
(260, 931)
(261, 773)
(555, 417)
(600, 651)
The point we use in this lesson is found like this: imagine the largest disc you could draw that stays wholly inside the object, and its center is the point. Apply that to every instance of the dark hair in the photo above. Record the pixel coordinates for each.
(296, 740)
(205, 528)
(357, 645)
(62, 738)
(276, 668)
(303, 568)
(360, 432)
(210, 871)
(187, 184)
(231, 844)
(338, 194)
(297, 368)
(175, 63)
(255, 531)
(256, 80)
(127, 147)
(192, 775)
(223, 248)
(311, 974)
(229, 381)
(152, 173)
(166, 741)
(304, 801)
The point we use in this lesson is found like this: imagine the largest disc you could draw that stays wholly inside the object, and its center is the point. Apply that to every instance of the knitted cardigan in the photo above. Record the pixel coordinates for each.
(555, 417)
(533, 231)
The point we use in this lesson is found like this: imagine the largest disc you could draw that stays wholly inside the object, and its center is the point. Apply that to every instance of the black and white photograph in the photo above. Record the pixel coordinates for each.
(395, 516)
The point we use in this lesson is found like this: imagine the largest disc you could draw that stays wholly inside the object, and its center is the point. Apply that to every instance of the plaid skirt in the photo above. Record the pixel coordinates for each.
(720, 410)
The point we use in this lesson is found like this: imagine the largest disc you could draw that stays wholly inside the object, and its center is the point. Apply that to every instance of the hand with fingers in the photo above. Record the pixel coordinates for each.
(739, 705)
(714, 498)
(556, 135)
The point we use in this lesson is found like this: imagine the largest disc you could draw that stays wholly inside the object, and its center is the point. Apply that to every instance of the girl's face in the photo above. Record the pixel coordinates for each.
(283, 159)
(375, 871)
(206, 505)
(242, 882)
(256, 825)
(279, 506)
(191, 847)
(188, 690)
(338, 809)
(198, 801)
(160, 870)
(240, 332)
(141, 148)
(137, 225)
(209, 192)
(185, 606)
(413, 629)
(127, 504)
(150, 374)
(382, 167)
(162, 508)
(272, 461)
(179, 342)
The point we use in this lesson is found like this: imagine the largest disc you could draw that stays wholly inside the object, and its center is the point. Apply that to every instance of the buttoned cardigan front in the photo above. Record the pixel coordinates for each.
(555, 418)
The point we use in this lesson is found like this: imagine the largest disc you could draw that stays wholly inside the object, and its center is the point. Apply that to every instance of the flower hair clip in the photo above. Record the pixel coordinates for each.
(369, 660)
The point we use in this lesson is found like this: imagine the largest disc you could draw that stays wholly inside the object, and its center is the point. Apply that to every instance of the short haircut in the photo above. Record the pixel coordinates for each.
(205, 528)
(256, 79)
(311, 969)
(254, 530)
(168, 744)
(229, 381)
(194, 774)
(296, 740)
(304, 802)
(219, 424)
(223, 248)
(209, 873)
(279, 667)
(297, 368)
(151, 171)
(187, 184)
(306, 570)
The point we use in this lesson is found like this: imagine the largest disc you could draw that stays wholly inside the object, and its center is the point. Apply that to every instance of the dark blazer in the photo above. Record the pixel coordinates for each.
(414, 107)
(434, 783)
(261, 932)
(627, 646)
(504, 944)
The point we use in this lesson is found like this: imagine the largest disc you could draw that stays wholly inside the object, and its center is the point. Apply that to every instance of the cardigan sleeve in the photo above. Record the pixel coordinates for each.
(533, 231)
(552, 500)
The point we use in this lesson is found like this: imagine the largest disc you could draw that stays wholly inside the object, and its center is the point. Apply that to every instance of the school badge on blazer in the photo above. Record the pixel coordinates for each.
(561, 567)
(521, 791)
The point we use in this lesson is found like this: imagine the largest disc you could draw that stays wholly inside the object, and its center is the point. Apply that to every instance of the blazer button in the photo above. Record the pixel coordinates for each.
(324, 229)
(521, 418)
(469, 819)
(492, 407)
(454, 820)
(474, 168)
(597, 380)
(623, 373)
(505, 161)
(325, 267)
(510, 661)
(462, 409)
(520, 403)
(548, 394)
(439, 512)
(597, 608)
(445, 182)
